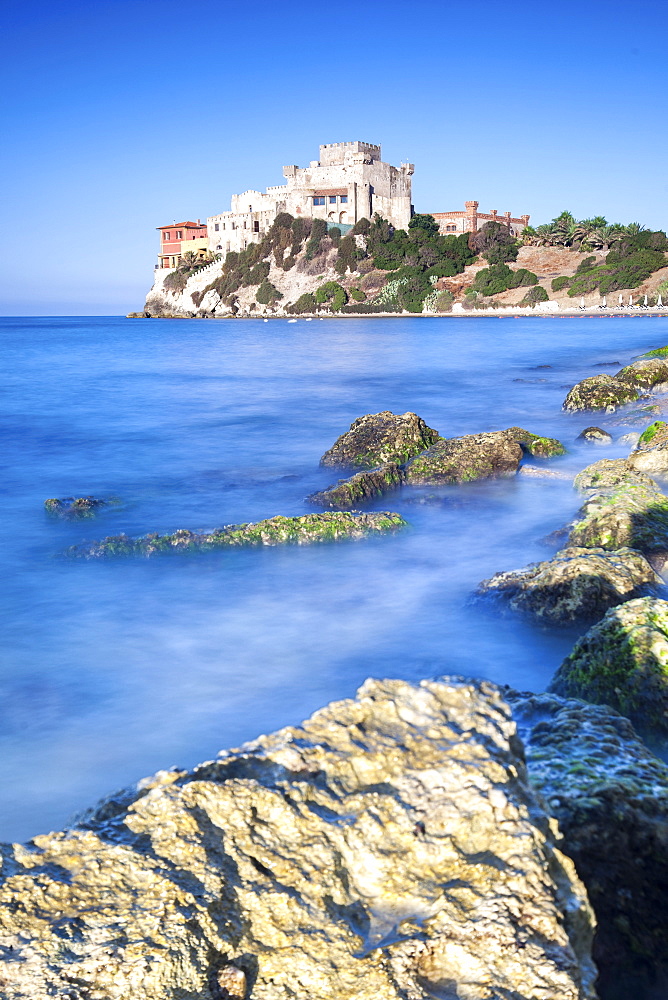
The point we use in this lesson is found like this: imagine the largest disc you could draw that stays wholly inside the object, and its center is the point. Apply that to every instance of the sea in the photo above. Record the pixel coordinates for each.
(112, 670)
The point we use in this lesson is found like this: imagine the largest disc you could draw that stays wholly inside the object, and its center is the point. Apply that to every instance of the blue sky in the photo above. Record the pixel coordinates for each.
(122, 115)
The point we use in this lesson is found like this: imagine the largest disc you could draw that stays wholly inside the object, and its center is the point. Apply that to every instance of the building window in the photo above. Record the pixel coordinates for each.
(318, 201)
(223, 225)
(344, 199)
(256, 227)
(165, 236)
(244, 223)
(234, 225)
(332, 199)
(179, 234)
(216, 227)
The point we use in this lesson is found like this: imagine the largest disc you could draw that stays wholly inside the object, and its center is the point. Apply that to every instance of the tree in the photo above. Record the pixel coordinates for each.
(425, 222)
(495, 242)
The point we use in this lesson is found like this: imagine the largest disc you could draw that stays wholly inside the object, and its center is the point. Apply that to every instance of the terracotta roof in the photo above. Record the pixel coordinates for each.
(185, 225)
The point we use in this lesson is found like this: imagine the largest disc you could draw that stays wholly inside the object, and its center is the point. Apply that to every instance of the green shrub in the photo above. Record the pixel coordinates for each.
(333, 293)
(346, 258)
(259, 272)
(534, 295)
(585, 265)
(370, 307)
(427, 223)
(176, 281)
(335, 235)
(318, 230)
(563, 281)
(267, 293)
(283, 221)
(495, 242)
(357, 294)
(361, 227)
(304, 304)
(444, 301)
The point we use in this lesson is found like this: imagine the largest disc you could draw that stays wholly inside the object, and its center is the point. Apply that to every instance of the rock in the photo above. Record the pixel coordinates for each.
(361, 486)
(610, 796)
(378, 438)
(462, 459)
(625, 508)
(651, 373)
(651, 451)
(540, 472)
(73, 508)
(533, 444)
(232, 983)
(595, 435)
(638, 415)
(631, 439)
(305, 530)
(390, 847)
(600, 392)
(622, 661)
(659, 352)
(577, 583)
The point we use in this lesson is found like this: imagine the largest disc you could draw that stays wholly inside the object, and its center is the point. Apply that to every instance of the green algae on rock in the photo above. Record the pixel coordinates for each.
(651, 452)
(74, 508)
(466, 458)
(534, 444)
(622, 661)
(625, 508)
(600, 392)
(378, 438)
(362, 486)
(610, 796)
(576, 583)
(308, 529)
(658, 352)
(389, 847)
(595, 435)
(645, 374)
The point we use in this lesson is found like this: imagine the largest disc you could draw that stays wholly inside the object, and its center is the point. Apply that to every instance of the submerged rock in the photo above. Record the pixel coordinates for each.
(378, 438)
(305, 530)
(600, 392)
(651, 450)
(361, 486)
(390, 847)
(577, 583)
(534, 444)
(610, 796)
(625, 508)
(73, 508)
(645, 374)
(595, 435)
(463, 459)
(622, 661)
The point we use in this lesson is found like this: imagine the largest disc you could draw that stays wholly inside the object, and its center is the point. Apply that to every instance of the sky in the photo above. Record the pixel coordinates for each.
(119, 116)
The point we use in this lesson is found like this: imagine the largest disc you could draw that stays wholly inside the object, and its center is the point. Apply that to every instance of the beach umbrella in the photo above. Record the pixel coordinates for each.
(582, 302)
(660, 303)
(605, 302)
(630, 302)
(645, 301)
(621, 300)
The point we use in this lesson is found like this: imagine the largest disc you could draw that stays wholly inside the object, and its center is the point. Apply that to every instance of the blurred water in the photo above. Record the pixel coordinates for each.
(113, 670)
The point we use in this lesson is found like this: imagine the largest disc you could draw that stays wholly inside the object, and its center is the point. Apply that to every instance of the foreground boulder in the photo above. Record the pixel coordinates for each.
(595, 435)
(650, 373)
(651, 451)
(306, 530)
(362, 486)
(622, 661)
(463, 459)
(534, 444)
(600, 392)
(624, 508)
(390, 847)
(610, 796)
(377, 438)
(577, 583)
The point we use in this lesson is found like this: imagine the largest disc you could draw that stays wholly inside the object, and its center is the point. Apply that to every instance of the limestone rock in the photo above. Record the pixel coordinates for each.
(624, 508)
(390, 847)
(377, 438)
(535, 445)
(308, 529)
(631, 439)
(622, 661)
(651, 451)
(610, 796)
(462, 459)
(650, 373)
(576, 583)
(595, 435)
(74, 508)
(362, 486)
(600, 392)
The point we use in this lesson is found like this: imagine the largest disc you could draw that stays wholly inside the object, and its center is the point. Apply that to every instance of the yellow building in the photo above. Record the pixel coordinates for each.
(199, 246)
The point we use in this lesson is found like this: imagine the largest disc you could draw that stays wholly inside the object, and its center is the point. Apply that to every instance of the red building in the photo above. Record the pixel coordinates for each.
(171, 238)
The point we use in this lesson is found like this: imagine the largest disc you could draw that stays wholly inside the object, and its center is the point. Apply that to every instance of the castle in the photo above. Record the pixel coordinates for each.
(349, 182)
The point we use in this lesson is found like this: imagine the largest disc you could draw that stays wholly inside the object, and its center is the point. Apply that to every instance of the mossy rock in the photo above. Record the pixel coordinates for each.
(575, 584)
(535, 445)
(647, 373)
(360, 487)
(622, 661)
(74, 508)
(625, 508)
(658, 352)
(378, 438)
(600, 392)
(651, 452)
(609, 794)
(465, 459)
(595, 435)
(309, 529)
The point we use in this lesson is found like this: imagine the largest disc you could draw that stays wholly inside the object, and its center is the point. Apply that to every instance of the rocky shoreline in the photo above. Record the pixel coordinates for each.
(449, 839)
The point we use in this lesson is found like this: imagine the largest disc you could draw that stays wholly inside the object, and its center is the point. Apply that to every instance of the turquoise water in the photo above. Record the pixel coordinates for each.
(113, 670)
